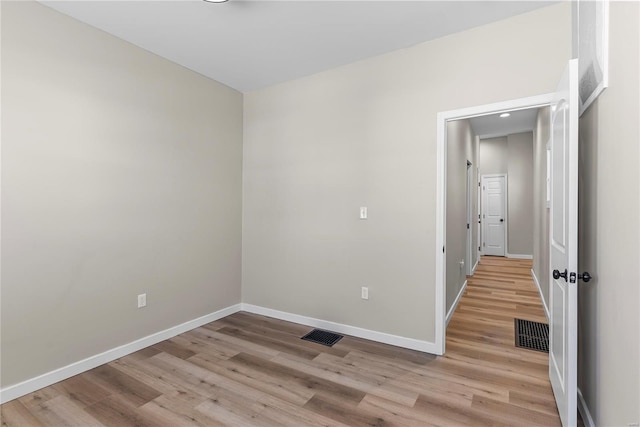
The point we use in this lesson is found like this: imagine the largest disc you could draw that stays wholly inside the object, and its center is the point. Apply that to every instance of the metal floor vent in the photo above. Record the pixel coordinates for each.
(532, 335)
(322, 337)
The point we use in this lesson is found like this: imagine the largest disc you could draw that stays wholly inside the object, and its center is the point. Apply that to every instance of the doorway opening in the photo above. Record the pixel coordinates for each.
(454, 265)
(493, 214)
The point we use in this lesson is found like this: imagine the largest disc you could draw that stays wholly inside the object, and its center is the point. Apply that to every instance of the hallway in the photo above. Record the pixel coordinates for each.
(480, 339)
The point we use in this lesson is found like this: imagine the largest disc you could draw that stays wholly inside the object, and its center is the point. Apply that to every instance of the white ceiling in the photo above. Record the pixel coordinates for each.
(249, 45)
(493, 125)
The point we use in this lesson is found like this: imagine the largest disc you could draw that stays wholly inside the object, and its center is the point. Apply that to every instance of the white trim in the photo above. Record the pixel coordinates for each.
(584, 411)
(57, 375)
(544, 303)
(519, 256)
(477, 217)
(470, 218)
(441, 233)
(456, 302)
(604, 38)
(505, 208)
(475, 266)
(340, 328)
(498, 107)
(441, 126)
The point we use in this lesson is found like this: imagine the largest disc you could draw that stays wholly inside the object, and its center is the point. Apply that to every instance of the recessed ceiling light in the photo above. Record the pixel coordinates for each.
(215, 1)
(505, 115)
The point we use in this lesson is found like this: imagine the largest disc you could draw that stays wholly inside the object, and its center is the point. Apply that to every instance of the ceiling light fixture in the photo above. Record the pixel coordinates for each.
(505, 115)
(216, 1)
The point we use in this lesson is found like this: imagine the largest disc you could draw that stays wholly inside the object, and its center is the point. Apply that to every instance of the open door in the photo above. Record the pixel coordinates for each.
(563, 245)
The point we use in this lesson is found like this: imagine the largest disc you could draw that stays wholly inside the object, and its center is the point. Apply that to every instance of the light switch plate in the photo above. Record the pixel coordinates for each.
(142, 300)
(363, 212)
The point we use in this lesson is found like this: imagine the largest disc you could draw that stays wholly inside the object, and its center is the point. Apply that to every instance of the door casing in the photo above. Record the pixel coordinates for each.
(470, 247)
(505, 215)
(441, 187)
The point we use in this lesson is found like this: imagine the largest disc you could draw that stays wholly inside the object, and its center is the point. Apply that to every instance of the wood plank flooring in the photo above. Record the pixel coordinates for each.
(250, 370)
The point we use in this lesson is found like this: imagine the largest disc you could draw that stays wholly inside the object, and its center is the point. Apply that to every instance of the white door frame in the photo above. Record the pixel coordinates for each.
(478, 204)
(469, 251)
(441, 191)
(505, 206)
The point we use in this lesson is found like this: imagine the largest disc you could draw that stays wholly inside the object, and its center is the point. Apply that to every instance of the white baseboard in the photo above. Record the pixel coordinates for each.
(17, 390)
(544, 303)
(411, 343)
(519, 256)
(475, 266)
(455, 303)
(584, 411)
(49, 378)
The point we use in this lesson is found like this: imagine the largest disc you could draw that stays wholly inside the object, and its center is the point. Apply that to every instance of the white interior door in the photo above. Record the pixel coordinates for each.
(494, 218)
(563, 245)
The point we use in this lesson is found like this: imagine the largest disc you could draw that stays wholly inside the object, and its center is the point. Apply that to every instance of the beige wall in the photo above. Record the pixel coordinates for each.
(318, 148)
(494, 157)
(520, 189)
(121, 174)
(609, 233)
(460, 149)
(541, 136)
(513, 155)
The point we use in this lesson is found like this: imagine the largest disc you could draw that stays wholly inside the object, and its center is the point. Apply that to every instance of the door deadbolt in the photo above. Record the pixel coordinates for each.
(585, 277)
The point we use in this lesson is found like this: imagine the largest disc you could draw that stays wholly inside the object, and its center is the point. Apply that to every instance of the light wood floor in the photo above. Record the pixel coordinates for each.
(249, 370)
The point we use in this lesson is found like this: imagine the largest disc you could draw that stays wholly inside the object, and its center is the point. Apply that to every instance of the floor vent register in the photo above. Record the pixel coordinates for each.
(319, 336)
(532, 335)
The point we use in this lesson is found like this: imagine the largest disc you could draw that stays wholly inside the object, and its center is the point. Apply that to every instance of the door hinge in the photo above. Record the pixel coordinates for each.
(443, 249)
(484, 244)
(467, 226)
(572, 277)
(479, 248)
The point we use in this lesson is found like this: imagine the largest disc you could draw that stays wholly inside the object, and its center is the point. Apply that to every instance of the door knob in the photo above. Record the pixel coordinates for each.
(501, 220)
(585, 277)
(557, 274)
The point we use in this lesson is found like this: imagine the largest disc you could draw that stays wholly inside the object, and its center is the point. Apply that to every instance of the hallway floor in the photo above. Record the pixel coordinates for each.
(481, 338)
(481, 335)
